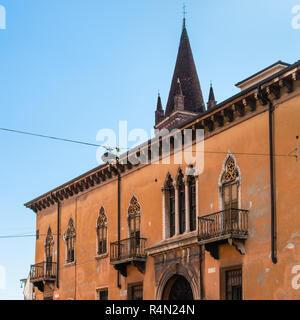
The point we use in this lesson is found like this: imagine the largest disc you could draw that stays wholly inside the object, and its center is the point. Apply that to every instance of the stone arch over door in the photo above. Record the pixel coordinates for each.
(172, 274)
(178, 288)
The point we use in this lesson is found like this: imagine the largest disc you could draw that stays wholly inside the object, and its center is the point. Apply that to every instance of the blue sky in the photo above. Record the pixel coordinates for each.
(70, 68)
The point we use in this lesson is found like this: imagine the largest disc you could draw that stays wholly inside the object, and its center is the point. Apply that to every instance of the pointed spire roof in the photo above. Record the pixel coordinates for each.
(211, 99)
(159, 104)
(159, 113)
(185, 70)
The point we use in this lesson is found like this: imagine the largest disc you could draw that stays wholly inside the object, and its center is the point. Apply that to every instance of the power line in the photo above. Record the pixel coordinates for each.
(18, 236)
(23, 236)
(61, 139)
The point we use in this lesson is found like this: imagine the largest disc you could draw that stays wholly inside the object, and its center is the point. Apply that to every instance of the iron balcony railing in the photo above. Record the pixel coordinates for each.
(128, 249)
(223, 223)
(43, 271)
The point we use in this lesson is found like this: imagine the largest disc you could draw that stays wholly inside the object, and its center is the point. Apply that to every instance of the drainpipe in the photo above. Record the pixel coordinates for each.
(75, 258)
(266, 100)
(58, 242)
(119, 220)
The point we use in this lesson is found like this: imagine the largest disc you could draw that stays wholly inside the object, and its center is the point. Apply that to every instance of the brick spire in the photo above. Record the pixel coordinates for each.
(211, 100)
(159, 113)
(185, 70)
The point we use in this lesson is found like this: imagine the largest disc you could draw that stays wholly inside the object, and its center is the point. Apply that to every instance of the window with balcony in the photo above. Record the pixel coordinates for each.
(49, 243)
(230, 191)
(134, 218)
(102, 232)
(70, 236)
(230, 225)
(134, 223)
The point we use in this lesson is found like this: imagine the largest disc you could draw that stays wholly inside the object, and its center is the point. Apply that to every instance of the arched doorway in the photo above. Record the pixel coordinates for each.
(178, 288)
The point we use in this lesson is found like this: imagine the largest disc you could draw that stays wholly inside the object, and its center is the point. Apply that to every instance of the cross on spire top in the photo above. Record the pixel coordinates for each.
(184, 12)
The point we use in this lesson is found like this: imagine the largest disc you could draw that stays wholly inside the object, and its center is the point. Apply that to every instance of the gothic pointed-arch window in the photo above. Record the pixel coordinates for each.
(102, 232)
(70, 235)
(169, 191)
(134, 224)
(49, 243)
(134, 218)
(181, 202)
(230, 191)
(192, 201)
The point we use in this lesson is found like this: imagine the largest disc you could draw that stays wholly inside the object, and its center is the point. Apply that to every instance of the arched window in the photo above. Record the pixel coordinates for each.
(70, 241)
(102, 232)
(230, 185)
(169, 191)
(192, 201)
(49, 243)
(230, 193)
(181, 202)
(134, 223)
(134, 218)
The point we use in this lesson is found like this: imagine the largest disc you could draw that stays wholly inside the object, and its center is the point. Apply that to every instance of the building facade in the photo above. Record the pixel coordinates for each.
(130, 230)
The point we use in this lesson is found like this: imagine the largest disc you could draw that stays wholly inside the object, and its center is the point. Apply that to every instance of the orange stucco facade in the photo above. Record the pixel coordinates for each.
(248, 141)
(258, 257)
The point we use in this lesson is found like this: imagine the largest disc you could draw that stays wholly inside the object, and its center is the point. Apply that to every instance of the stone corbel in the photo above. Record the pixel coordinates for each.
(286, 82)
(238, 244)
(273, 91)
(141, 266)
(213, 249)
(296, 76)
(261, 99)
(249, 104)
(209, 123)
(219, 118)
(240, 109)
(229, 113)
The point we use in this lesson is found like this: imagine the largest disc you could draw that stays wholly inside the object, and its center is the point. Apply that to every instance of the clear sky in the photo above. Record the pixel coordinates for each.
(70, 68)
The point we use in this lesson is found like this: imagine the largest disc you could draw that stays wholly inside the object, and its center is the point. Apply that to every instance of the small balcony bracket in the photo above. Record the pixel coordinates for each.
(141, 266)
(122, 268)
(213, 249)
(238, 244)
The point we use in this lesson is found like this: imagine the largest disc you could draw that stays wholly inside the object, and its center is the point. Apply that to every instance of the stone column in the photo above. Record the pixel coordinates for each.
(187, 205)
(177, 231)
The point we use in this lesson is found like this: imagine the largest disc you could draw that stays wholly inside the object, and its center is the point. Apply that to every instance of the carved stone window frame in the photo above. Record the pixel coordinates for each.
(238, 180)
(49, 240)
(70, 232)
(101, 223)
(134, 212)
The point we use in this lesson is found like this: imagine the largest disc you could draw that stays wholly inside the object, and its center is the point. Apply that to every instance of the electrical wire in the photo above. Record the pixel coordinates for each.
(23, 236)
(62, 139)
